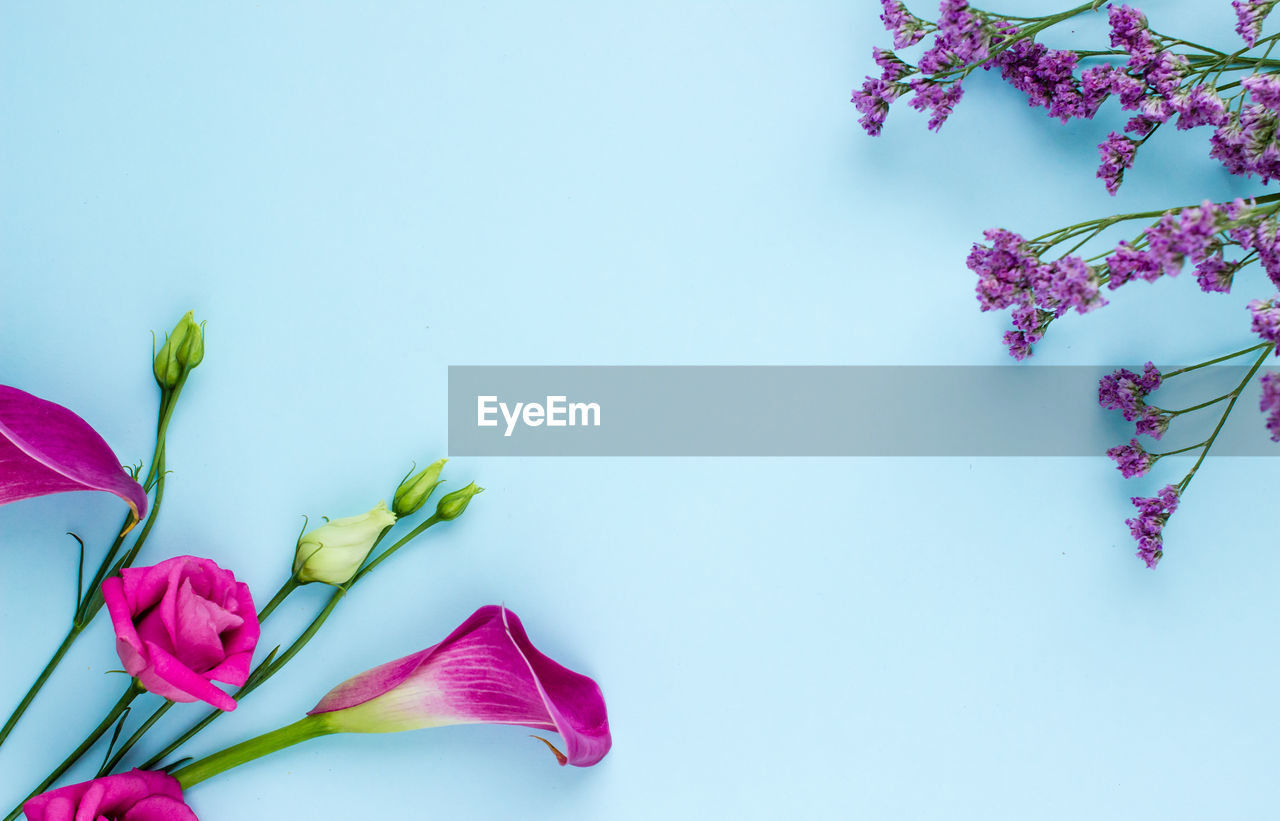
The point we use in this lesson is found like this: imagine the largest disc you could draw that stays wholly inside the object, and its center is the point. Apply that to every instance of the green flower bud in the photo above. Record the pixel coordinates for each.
(333, 552)
(452, 505)
(416, 489)
(182, 350)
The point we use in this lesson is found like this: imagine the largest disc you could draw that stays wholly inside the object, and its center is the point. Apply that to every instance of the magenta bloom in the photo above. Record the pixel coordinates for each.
(484, 672)
(45, 448)
(181, 625)
(139, 795)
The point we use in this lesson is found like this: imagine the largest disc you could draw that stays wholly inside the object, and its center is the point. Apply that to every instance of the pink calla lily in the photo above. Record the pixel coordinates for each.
(485, 672)
(45, 448)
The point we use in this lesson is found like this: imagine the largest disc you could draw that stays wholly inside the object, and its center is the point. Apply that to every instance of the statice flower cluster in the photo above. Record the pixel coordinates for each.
(1249, 17)
(1132, 459)
(907, 29)
(1246, 143)
(1266, 320)
(1011, 275)
(1270, 403)
(1196, 235)
(1157, 80)
(1047, 77)
(1148, 526)
(964, 39)
(1126, 391)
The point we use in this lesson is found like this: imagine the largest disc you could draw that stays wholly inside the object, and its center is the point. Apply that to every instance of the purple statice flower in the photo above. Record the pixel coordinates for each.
(1262, 238)
(1011, 275)
(1271, 402)
(963, 39)
(1070, 283)
(1048, 79)
(1130, 34)
(1264, 89)
(1165, 73)
(1198, 106)
(1130, 90)
(1117, 157)
(1127, 263)
(1266, 320)
(1215, 274)
(907, 29)
(1246, 143)
(1148, 526)
(873, 101)
(1152, 422)
(939, 99)
(892, 68)
(1192, 234)
(1098, 82)
(1132, 459)
(1004, 270)
(1126, 391)
(1249, 17)
(1019, 343)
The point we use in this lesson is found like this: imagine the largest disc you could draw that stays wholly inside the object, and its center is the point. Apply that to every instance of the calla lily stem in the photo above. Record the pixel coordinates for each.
(246, 751)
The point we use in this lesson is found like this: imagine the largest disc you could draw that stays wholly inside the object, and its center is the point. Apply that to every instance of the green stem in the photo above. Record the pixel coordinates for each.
(1201, 406)
(168, 400)
(283, 593)
(69, 761)
(1061, 235)
(1177, 371)
(246, 751)
(134, 739)
(408, 537)
(1179, 450)
(1213, 437)
(93, 600)
(35, 688)
(90, 601)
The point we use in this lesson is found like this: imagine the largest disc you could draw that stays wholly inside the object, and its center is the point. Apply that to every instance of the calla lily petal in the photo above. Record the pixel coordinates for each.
(45, 448)
(485, 672)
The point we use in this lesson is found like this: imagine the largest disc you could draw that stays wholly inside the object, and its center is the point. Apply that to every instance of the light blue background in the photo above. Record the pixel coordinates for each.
(356, 196)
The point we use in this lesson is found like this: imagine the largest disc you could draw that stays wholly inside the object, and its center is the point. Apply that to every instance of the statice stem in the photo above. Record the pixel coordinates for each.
(1167, 375)
(1235, 396)
(1200, 406)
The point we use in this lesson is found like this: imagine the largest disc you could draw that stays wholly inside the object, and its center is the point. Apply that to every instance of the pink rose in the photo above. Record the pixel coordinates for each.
(137, 796)
(181, 625)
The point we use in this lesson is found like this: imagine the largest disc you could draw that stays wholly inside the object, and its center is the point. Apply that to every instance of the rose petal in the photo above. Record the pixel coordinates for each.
(180, 681)
(182, 624)
(111, 797)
